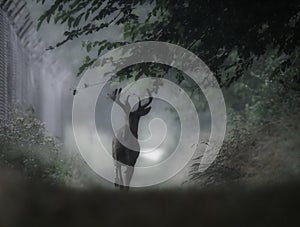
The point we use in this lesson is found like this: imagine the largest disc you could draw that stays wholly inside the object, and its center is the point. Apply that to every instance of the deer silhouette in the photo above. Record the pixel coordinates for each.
(122, 155)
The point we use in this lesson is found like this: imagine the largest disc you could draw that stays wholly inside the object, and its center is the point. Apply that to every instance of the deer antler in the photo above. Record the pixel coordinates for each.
(115, 96)
(147, 103)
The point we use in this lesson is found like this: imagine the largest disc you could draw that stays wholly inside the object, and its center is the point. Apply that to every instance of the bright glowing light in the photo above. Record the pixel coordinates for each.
(154, 155)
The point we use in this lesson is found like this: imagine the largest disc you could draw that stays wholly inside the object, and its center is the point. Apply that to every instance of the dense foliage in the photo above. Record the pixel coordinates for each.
(213, 30)
(25, 146)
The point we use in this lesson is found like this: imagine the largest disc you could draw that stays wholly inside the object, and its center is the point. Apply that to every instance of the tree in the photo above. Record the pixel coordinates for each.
(227, 35)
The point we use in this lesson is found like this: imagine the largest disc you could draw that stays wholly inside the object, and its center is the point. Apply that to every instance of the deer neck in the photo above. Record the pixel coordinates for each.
(134, 125)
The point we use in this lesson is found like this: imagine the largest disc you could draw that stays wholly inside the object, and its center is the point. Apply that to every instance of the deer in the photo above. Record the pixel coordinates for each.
(122, 155)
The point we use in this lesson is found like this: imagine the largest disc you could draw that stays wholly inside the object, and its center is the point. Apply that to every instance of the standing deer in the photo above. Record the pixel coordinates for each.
(121, 154)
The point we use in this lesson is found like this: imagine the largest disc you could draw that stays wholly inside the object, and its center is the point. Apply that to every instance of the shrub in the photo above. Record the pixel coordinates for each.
(25, 146)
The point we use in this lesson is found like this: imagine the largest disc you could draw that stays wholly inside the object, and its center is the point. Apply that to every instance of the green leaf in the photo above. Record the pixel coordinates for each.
(87, 15)
(70, 20)
(56, 19)
(49, 17)
(89, 47)
(77, 20)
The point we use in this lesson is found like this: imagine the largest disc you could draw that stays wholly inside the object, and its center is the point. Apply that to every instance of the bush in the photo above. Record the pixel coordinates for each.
(24, 146)
(263, 124)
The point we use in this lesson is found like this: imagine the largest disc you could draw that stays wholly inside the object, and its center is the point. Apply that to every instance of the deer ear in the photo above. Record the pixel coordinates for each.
(144, 112)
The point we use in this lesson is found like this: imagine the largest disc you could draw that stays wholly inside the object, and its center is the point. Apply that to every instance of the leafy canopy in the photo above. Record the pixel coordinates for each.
(227, 35)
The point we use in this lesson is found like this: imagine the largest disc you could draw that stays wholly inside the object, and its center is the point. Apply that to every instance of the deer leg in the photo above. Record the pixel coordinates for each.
(128, 175)
(121, 184)
(117, 179)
